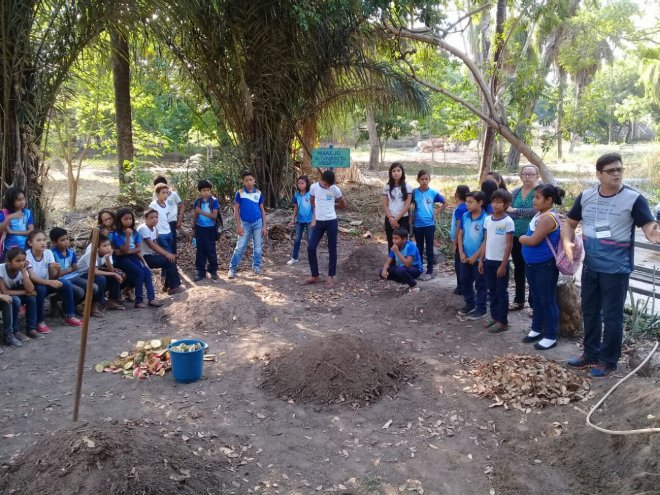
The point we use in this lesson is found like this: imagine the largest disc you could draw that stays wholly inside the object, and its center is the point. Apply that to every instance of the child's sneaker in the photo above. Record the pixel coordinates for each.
(199, 277)
(292, 261)
(231, 274)
(477, 314)
(72, 321)
(413, 290)
(21, 336)
(43, 328)
(258, 270)
(426, 277)
(466, 310)
(12, 341)
(33, 334)
(214, 277)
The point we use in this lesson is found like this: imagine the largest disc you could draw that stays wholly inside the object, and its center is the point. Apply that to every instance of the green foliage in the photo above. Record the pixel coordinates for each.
(223, 172)
(137, 191)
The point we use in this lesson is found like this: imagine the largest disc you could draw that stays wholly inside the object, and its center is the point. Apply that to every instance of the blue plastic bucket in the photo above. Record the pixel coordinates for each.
(187, 367)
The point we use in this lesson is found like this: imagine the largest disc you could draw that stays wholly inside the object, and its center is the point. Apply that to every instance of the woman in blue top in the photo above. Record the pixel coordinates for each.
(302, 215)
(541, 268)
(424, 199)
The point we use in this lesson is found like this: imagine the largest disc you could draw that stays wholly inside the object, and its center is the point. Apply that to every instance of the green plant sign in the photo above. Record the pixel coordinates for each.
(331, 157)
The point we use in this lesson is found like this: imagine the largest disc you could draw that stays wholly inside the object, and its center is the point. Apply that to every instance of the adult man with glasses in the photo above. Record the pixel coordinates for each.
(609, 213)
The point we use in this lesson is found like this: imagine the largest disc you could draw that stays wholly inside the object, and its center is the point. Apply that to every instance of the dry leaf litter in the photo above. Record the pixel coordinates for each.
(524, 382)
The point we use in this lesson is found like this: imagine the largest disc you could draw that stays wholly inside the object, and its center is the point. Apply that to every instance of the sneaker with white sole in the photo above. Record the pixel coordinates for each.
(466, 310)
(231, 274)
(257, 270)
(477, 314)
(292, 261)
(12, 341)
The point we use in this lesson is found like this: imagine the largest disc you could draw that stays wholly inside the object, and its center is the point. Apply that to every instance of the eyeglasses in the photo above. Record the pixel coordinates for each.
(612, 171)
(527, 175)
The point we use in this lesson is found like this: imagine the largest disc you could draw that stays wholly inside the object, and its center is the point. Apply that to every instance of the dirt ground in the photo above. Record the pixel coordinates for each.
(429, 437)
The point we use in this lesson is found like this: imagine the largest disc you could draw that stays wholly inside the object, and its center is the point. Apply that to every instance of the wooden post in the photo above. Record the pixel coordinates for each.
(89, 294)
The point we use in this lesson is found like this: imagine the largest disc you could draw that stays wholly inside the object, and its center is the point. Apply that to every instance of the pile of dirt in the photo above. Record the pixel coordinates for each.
(570, 311)
(208, 308)
(524, 382)
(113, 459)
(336, 368)
(364, 262)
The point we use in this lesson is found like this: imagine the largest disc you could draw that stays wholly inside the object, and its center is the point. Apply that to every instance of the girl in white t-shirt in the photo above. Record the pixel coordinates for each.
(42, 271)
(325, 198)
(396, 202)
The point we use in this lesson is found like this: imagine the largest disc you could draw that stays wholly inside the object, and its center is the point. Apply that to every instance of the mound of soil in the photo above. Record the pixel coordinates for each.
(364, 262)
(336, 368)
(210, 309)
(113, 459)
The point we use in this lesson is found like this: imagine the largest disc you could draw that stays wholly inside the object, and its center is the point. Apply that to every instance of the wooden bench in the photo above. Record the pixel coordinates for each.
(646, 275)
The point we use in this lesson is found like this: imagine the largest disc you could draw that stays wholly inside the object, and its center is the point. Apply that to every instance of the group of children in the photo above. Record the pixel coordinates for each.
(482, 234)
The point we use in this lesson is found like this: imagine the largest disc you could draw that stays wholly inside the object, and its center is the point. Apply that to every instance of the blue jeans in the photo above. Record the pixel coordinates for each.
(603, 298)
(206, 237)
(137, 273)
(403, 275)
(321, 227)
(498, 292)
(542, 279)
(169, 269)
(103, 283)
(30, 312)
(251, 230)
(70, 293)
(165, 241)
(300, 228)
(425, 236)
(471, 279)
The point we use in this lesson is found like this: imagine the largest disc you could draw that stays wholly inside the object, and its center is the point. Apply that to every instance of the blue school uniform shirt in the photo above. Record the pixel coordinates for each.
(249, 203)
(118, 239)
(455, 218)
(304, 204)
(65, 261)
(206, 206)
(409, 249)
(18, 224)
(473, 232)
(424, 206)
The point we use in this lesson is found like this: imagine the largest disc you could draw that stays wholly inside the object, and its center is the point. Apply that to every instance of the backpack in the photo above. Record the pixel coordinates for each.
(565, 265)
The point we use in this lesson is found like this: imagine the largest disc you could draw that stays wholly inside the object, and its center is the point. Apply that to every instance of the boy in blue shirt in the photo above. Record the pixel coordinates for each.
(460, 210)
(404, 263)
(250, 218)
(67, 260)
(205, 233)
(470, 240)
(424, 200)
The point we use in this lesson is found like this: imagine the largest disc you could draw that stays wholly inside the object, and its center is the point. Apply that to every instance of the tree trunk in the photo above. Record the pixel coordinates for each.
(374, 142)
(560, 112)
(309, 137)
(488, 152)
(574, 138)
(121, 77)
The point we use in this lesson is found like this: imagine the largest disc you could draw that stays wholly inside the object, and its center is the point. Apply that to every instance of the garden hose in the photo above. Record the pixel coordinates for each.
(618, 432)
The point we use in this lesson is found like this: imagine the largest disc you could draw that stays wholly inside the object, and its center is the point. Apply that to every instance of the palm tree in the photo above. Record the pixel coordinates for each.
(39, 40)
(272, 68)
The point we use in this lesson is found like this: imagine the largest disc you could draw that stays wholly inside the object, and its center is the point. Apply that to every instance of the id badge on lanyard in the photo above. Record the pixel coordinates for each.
(603, 231)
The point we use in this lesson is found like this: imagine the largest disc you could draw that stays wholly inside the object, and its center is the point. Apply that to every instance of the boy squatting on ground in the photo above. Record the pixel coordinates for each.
(404, 264)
